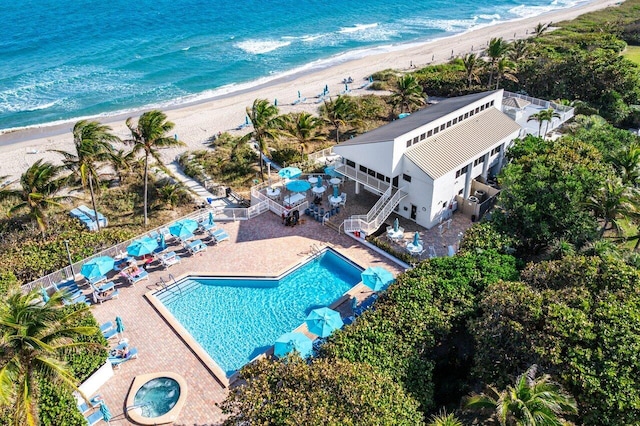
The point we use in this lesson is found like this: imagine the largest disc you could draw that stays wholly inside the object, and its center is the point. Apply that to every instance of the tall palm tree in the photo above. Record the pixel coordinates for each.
(612, 202)
(267, 126)
(519, 50)
(33, 335)
(149, 134)
(92, 142)
(546, 115)
(339, 112)
(531, 402)
(304, 128)
(505, 68)
(472, 65)
(407, 93)
(39, 188)
(627, 164)
(496, 50)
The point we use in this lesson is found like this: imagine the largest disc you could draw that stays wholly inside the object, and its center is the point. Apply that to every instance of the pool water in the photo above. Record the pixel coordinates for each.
(237, 319)
(157, 397)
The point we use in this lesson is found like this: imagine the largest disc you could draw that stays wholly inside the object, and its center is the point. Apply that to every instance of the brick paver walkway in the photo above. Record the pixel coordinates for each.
(259, 246)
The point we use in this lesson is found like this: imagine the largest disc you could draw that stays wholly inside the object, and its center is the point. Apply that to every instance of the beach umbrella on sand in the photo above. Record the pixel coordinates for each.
(298, 185)
(323, 321)
(97, 267)
(376, 278)
(396, 225)
(106, 414)
(145, 245)
(416, 239)
(290, 342)
(290, 172)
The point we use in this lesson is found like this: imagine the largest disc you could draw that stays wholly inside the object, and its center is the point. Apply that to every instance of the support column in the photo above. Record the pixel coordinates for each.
(500, 158)
(467, 181)
(485, 166)
(357, 187)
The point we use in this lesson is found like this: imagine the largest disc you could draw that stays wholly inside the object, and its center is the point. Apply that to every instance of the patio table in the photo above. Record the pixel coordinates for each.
(313, 180)
(273, 192)
(415, 249)
(395, 235)
(334, 201)
(294, 200)
(335, 181)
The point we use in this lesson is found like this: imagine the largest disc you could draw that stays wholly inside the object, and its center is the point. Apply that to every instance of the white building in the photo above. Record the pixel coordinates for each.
(423, 163)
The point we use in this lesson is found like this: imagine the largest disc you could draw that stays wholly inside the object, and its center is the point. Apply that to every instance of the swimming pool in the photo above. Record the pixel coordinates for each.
(236, 319)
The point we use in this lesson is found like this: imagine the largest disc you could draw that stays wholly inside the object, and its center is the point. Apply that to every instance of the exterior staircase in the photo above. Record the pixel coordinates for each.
(370, 222)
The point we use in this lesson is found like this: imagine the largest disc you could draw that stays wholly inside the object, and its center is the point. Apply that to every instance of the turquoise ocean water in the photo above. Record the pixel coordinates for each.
(64, 59)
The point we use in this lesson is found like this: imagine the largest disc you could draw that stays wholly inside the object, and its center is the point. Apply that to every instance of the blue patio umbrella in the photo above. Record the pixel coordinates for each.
(396, 225)
(298, 185)
(290, 342)
(376, 278)
(106, 414)
(162, 243)
(45, 295)
(289, 172)
(331, 171)
(97, 267)
(323, 321)
(319, 182)
(119, 325)
(211, 222)
(183, 228)
(142, 246)
(416, 239)
(336, 191)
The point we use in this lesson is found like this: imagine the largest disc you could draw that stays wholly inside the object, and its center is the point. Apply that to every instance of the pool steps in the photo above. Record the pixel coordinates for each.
(174, 291)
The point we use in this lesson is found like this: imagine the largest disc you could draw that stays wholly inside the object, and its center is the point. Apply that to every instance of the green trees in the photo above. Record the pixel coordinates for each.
(331, 392)
(92, 142)
(496, 50)
(267, 126)
(339, 112)
(407, 93)
(304, 128)
(627, 164)
(614, 201)
(531, 402)
(544, 116)
(148, 135)
(39, 188)
(472, 65)
(33, 338)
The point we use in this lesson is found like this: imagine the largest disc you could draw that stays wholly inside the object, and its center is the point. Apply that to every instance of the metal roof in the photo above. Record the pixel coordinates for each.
(515, 103)
(401, 126)
(461, 144)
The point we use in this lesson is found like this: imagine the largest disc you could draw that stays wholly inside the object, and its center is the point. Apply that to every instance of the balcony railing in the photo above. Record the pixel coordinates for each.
(363, 178)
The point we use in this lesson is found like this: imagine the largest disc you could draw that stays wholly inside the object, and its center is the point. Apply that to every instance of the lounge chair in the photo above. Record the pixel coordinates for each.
(196, 246)
(103, 288)
(99, 298)
(117, 361)
(205, 225)
(94, 418)
(94, 402)
(169, 259)
(110, 333)
(366, 304)
(107, 326)
(97, 280)
(134, 278)
(219, 235)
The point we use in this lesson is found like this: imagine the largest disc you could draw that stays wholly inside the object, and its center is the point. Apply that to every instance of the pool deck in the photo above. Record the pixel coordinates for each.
(260, 246)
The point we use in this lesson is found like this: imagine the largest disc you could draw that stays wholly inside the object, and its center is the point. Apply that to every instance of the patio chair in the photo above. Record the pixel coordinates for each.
(99, 298)
(103, 288)
(219, 235)
(343, 199)
(196, 247)
(133, 278)
(170, 259)
(117, 361)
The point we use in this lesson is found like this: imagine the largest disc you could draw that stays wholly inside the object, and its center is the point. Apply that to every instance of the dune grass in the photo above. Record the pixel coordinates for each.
(632, 53)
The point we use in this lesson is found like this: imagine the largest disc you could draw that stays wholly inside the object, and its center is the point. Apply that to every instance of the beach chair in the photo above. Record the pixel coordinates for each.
(219, 235)
(96, 280)
(205, 225)
(366, 304)
(133, 278)
(196, 247)
(99, 298)
(169, 259)
(94, 418)
(94, 402)
(118, 361)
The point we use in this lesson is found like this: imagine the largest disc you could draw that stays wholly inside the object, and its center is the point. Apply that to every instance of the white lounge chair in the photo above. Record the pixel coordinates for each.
(169, 259)
(219, 235)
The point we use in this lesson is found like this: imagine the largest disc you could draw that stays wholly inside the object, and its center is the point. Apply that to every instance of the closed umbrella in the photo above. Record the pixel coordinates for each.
(106, 414)
(163, 243)
(97, 267)
(289, 172)
(336, 191)
(275, 102)
(396, 225)
(211, 222)
(119, 325)
(183, 228)
(319, 183)
(299, 94)
(376, 278)
(298, 185)
(246, 120)
(416, 239)
(145, 245)
(45, 295)
(323, 321)
(290, 342)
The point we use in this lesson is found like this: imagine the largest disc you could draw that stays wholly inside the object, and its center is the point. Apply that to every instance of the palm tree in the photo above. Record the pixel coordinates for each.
(612, 202)
(444, 419)
(39, 186)
(546, 115)
(339, 112)
(304, 128)
(33, 336)
(148, 135)
(519, 50)
(531, 402)
(541, 29)
(407, 93)
(505, 69)
(92, 142)
(472, 65)
(627, 164)
(498, 47)
(122, 163)
(267, 126)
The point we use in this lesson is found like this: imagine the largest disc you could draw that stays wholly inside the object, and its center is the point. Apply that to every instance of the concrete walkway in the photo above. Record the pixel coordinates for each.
(199, 192)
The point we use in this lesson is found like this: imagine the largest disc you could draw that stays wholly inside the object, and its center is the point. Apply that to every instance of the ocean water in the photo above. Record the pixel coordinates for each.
(65, 59)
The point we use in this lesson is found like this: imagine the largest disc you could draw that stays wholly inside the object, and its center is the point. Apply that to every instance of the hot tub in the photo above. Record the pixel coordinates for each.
(156, 398)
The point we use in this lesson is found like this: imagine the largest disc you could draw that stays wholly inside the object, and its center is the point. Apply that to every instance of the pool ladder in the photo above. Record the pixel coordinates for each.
(131, 407)
(166, 285)
(314, 251)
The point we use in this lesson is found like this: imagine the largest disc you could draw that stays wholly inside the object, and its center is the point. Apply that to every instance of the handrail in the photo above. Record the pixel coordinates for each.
(363, 178)
(380, 211)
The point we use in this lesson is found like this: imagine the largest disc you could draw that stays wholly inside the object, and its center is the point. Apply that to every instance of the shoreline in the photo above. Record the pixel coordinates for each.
(198, 119)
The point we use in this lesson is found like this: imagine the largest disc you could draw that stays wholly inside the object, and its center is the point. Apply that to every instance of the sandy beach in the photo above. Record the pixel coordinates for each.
(197, 122)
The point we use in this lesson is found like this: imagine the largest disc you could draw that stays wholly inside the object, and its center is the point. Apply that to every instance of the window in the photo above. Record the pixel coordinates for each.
(351, 164)
(455, 120)
(481, 107)
(461, 172)
(371, 172)
(460, 118)
(429, 133)
(406, 177)
(436, 130)
(408, 143)
(466, 115)
(491, 103)
(363, 169)
(379, 176)
(461, 191)
(448, 123)
(471, 113)
(495, 150)
(387, 179)
(395, 181)
(477, 109)
(442, 127)
(444, 205)
(478, 160)
(422, 136)
(415, 140)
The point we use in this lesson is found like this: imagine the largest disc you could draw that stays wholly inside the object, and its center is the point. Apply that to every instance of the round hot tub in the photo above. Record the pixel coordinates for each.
(156, 398)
